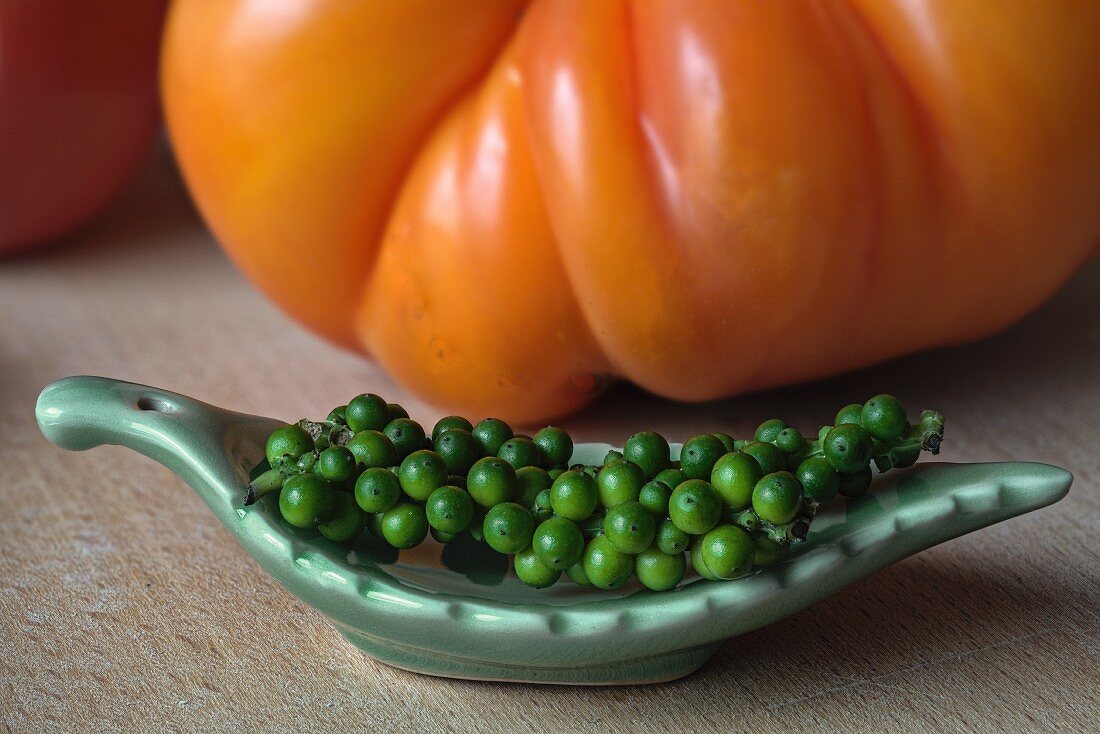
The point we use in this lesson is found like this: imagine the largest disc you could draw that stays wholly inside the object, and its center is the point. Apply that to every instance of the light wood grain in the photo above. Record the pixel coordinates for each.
(125, 607)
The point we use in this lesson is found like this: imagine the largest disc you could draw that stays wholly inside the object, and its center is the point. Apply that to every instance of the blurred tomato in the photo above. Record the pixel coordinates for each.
(78, 109)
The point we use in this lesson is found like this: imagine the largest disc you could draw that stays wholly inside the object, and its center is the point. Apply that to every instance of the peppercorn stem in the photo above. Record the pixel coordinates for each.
(269, 481)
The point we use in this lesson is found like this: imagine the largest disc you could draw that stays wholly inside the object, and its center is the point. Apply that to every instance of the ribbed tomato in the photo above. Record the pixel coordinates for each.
(503, 202)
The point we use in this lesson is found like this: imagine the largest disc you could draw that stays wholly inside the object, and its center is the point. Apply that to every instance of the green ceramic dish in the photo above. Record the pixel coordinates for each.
(457, 611)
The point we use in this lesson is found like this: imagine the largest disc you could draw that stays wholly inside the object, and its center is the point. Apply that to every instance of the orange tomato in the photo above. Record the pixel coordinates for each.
(78, 109)
(505, 202)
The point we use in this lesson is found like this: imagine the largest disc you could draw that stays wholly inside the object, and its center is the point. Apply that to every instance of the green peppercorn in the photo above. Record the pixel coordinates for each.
(671, 539)
(776, 498)
(558, 543)
(695, 507)
(459, 450)
(306, 500)
(699, 455)
(790, 441)
(658, 570)
(404, 525)
(406, 436)
(769, 429)
(849, 415)
(630, 527)
(883, 416)
(556, 446)
(767, 456)
(574, 495)
(490, 434)
(287, 444)
(619, 482)
(372, 448)
(367, 412)
(606, 566)
(520, 452)
(449, 509)
(491, 481)
(820, 481)
(508, 527)
(421, 473)
(848, 448)
(377, 490)
(336, 464)
(727, 552)
(532, 571)
(734, 476)
(654, 497)
(649, 451)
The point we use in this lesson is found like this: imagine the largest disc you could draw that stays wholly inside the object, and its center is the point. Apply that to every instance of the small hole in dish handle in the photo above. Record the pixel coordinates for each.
(159, 405)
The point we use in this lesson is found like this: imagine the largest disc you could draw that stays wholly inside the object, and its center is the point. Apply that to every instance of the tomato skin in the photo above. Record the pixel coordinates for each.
(78, 110)
(703, 197)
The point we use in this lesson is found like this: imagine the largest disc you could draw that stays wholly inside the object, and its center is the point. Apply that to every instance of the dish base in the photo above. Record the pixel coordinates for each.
(655, 669)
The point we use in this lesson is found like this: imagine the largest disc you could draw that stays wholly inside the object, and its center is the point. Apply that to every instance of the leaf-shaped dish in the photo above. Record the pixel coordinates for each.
(456, 611)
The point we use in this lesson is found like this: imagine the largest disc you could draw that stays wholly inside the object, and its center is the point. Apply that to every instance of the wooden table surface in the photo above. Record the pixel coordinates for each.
(125, 606)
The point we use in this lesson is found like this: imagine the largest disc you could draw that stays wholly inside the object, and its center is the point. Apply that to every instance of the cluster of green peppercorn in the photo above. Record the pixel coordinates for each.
(727, 504)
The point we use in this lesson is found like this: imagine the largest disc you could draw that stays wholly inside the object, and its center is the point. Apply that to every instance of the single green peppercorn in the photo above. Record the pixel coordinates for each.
(367, 412)
(532, 571)
(421, 473)
(336, 464)
(695, 507)
(574, 495)
(769, 429)
(372, 448)
(508, 527)
(396, 410)
(449, 509)
(558, 543)
(767, 456)
(449, 422)
(883, 416)
(555, 473)
(377, 490)
(346, 521)
(612, 456)
(654, 497)
(406, 435)
(776, 498)
(459, 450)
(820, 481)
(790, 441)
(630, 527)
(491, 481)
(286, 444)
(671, 539)
(727, 551)
(556, 446)
(849, 415)
(734, 476)
(649, 451)
(520, 452)
(490, 434)
(306, 500)
(619, 482)
(606, 566)
(848, 448)
(699, 455)
(337, 415)
(404, 525)
(658, 570)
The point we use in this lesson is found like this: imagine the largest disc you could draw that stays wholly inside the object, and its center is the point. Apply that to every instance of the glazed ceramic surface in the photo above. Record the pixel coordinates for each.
(458, 611)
